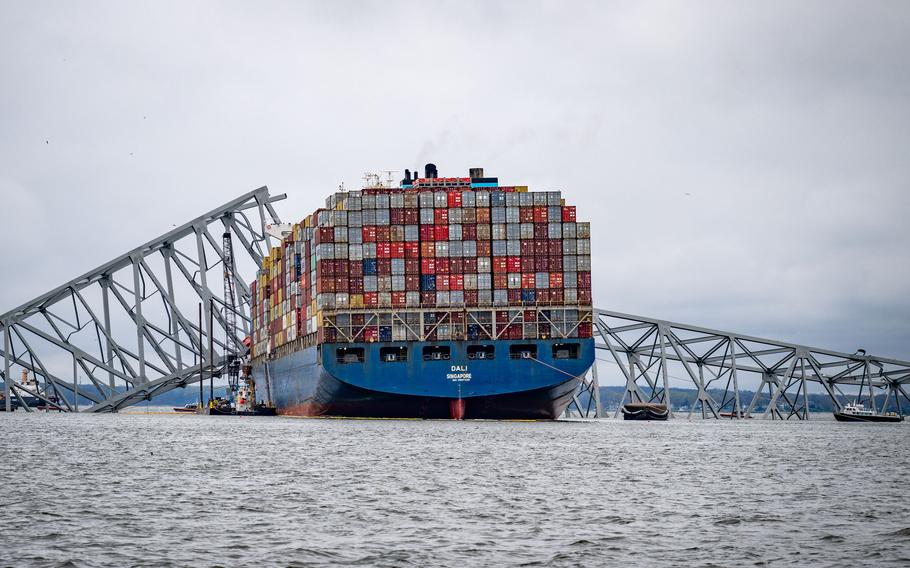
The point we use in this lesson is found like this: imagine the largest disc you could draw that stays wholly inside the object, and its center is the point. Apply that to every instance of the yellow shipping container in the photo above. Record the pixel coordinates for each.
(356, 300)
(521, 188)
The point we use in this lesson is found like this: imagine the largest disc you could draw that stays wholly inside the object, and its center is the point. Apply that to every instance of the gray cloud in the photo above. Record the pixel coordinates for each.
(743, 163)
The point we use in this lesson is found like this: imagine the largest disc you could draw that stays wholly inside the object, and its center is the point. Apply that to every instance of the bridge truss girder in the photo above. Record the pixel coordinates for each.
(649, 353)
(129, 330)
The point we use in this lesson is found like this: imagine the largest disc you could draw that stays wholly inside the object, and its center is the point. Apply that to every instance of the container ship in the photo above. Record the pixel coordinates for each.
(436, 298)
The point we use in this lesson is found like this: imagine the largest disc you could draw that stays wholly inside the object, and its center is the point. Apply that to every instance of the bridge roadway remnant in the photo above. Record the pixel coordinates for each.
(129, 329)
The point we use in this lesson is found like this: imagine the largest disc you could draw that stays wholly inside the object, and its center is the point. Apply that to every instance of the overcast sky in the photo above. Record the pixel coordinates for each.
(745, 165)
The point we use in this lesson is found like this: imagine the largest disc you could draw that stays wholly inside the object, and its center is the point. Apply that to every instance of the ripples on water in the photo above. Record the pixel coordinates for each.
(177, 490)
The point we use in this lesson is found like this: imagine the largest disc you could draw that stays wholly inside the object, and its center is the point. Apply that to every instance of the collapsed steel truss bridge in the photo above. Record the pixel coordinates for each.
(128, 331)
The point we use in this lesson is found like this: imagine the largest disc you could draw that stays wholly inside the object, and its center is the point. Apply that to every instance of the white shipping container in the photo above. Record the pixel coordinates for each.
(427, 216)
(440, 199)
(426, 199)
(554, 198)
(568, 231)
(513, 231)
(442, 299)
(342, 300)
(570, 262)
(570, 279)
(397, 282)
(554, 230)
(382, 201)
(412, 299)
(468, 199)
(456, 215)
(384, 283)
(584, 230)
(482, 198)
(383, 217)
(369, 216)
(514, 279)
(454, 231)
(526, 199)
(369, 250)
(540, 198)
(513, 199)
(497, 214)
(484, 297)
(411, 233)
(341, 250)
(396, 200)
(483, 264)
(341, 234)
(527, 231)
(469, 249)
(500, 297)
(370, 283)
(569, 246)
(442, 249)
(355, 235)
(470, 281)
(355, 218)
(397, 266)
(385, 299)
(499, 248)
(584, 263)
(355, 252)
(584, 246)
(456, 298)
(513, 247)
(542, 280)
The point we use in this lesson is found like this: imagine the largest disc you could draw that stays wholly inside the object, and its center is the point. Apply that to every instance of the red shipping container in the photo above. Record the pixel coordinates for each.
(585, 329)
(514, 263)
(500, 281)
(343, 267)
(526, 214)
(398, 299)
(441, 216)
(470, 266)
(428, 266)
(540, 214)
(541, 264)
(341, 283)
(427, 249)
(502, 316)
(541, 247)
(442, 282)
(324, 235)
(483, 215)
(456, 265)
(555, 263)
(527, 280)
(411, 266)
(456, 282)
(412, 283)
(441, 232)
(484, 248)
(442, 265)
(397, 250)
(454, 199)
(371, 334)
(428, 298)
(557, 296)
(527, 264)
(500, 265)
(411, 216)
(426, 233)
(584, 279)
(384, 250)
(542, 296)
(326, 285)
(527, 248)
(355, 285)
(568, 214)
(371, 299)
(412, 250)
(369, 234)
(555, 280)
(384, 266)
(323, 268)
(515, 299)
(383, 234)
(470, 298)
(356, 268)
(396, 216)
(584, 297)
(554, 248)
(468, 232)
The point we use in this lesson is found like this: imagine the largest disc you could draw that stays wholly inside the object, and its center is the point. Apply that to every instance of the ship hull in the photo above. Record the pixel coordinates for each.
(312, 382)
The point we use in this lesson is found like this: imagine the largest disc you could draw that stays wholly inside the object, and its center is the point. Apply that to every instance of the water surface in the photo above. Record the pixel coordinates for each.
(180, 490)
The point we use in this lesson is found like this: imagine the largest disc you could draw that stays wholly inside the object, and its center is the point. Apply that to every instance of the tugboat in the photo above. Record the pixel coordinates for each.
(644, 411)
(246, 398)
(856, 412)
(188, 407)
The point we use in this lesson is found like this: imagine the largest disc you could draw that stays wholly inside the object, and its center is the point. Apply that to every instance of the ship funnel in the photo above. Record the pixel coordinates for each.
(476, 173)
(430, 171)
(407, 176)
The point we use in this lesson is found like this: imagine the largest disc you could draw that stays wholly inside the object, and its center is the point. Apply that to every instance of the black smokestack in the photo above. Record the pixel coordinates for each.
(430, 171)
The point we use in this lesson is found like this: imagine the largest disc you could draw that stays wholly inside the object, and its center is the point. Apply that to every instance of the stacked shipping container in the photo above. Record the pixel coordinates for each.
(437, 260)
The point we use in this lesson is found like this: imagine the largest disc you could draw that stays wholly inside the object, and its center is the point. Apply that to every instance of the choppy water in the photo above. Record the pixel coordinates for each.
(172, 490)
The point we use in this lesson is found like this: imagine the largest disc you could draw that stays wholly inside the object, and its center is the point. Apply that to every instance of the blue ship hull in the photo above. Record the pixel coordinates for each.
(317, 381)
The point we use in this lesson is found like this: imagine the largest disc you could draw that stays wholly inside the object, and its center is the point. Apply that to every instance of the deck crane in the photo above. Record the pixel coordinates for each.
(230, 316)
